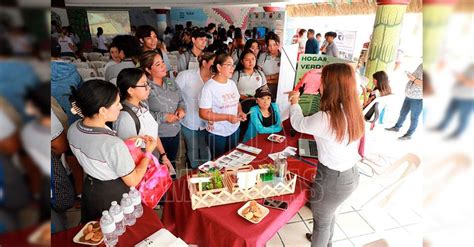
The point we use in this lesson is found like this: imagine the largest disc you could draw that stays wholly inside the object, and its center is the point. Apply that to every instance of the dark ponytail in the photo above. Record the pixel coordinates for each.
(91, 96)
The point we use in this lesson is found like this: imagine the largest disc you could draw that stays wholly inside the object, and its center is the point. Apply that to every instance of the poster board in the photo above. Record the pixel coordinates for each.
(274, 21)
(310, 102)
(345, 42)
(289, 55)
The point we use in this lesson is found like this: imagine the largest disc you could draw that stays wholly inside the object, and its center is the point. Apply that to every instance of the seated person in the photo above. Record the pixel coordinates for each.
(382, 87)
(265, 116)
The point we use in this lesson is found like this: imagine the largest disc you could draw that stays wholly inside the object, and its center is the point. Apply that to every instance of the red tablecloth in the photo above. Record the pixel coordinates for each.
(144, 227)
(221, 225)
(18, 238)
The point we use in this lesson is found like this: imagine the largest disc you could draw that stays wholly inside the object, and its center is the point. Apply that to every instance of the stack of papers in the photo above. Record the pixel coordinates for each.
(162, 238)
(235, 159)
(288, 151)
(249, 149)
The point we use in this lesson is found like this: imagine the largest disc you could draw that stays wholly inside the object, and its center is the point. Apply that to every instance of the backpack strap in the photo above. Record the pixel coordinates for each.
(133, 115)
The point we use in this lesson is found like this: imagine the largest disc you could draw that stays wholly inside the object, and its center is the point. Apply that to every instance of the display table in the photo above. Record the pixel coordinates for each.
(221, 225)
(144, 227)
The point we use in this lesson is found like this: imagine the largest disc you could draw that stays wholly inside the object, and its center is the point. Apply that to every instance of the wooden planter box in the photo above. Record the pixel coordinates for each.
(231, 193)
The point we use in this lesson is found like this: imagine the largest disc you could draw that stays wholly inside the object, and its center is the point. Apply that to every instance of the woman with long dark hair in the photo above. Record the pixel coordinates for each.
(382, 87)
(337, 129)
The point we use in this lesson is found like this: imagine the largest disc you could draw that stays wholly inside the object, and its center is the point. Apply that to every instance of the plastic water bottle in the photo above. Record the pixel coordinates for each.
(136, 197)
(107, 225)
(117, 213)
(127, 207)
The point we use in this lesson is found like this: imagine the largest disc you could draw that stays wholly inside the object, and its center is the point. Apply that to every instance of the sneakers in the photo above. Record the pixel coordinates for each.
(395, 129)
(404, 137)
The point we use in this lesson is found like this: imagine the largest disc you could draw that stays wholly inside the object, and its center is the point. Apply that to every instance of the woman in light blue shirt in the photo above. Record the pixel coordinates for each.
(265, 116)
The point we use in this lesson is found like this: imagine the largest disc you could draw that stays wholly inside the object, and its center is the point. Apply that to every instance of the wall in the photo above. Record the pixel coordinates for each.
(60, 13)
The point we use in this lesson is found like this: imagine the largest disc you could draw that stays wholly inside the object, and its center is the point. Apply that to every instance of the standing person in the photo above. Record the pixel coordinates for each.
(129, 50)
(254, 46)
(247, 76)
(64, 75)
(134, 90)
(167, 37)
(211, 28)
(247, 35)
(302, 41)
(114, 56)
(165, 102)
(148, 38)
(462, 102)
(331, 48)
(101, 41)
(67, 46)
(188, 60)
(413, 103)
(337, 129)
(193, 127)
(382, 87)
(270, 61)
(109, 167)
(312, 45)
(219, 103)
(237, 46)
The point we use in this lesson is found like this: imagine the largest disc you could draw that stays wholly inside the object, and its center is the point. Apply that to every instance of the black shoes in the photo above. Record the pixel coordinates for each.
(404, 137)
(395, 129)
(308, 236)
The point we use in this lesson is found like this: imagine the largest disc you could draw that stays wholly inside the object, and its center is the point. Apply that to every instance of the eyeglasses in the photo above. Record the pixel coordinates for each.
(147, 85)
(228, 64)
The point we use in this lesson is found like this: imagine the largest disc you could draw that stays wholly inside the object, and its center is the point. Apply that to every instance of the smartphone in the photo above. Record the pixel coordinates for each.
(281, 205)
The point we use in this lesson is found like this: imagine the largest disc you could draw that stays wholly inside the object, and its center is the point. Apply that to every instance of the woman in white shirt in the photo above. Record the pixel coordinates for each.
(219, 103)
(337, 129)
(193, 127)
(270, 61)
(67, 46)
(101, 41)
(134, 90)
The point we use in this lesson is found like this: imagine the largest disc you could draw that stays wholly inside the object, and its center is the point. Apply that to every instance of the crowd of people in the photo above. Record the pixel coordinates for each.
(223, 92)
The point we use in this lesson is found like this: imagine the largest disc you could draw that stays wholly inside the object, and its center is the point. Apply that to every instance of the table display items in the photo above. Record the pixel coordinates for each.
(117, 214)
(90, 234)
(231, 185)
(253, 212)
(127, 207)
(162, 238)
(107, 224)
(136, 201)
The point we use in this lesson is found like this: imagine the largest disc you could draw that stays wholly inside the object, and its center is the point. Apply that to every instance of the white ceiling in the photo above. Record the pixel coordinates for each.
(156, 4)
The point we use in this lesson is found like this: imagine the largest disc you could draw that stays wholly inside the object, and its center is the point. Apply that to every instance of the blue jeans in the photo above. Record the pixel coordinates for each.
(410, 105)
(465, 108)
(219, 145)
(197, 150)
(171, 146)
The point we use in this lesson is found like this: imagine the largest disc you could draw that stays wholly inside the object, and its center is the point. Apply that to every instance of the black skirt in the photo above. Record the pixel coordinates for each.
(97, 196)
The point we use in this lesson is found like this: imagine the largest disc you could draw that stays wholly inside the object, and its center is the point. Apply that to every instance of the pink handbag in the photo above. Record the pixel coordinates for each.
(156, 180)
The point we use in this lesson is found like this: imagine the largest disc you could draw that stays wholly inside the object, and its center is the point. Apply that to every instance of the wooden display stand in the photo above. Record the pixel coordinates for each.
(231, 193)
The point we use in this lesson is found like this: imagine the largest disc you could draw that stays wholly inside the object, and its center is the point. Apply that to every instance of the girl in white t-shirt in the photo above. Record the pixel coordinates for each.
(270, 61)
(247, 76)
(134, 90)
(219, 103)
(101, 41)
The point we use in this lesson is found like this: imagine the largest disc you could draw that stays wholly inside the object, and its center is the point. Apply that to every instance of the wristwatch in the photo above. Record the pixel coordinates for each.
(163, 154)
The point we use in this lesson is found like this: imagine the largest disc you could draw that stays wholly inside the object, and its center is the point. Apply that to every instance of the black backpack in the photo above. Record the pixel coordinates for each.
(132, 114)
